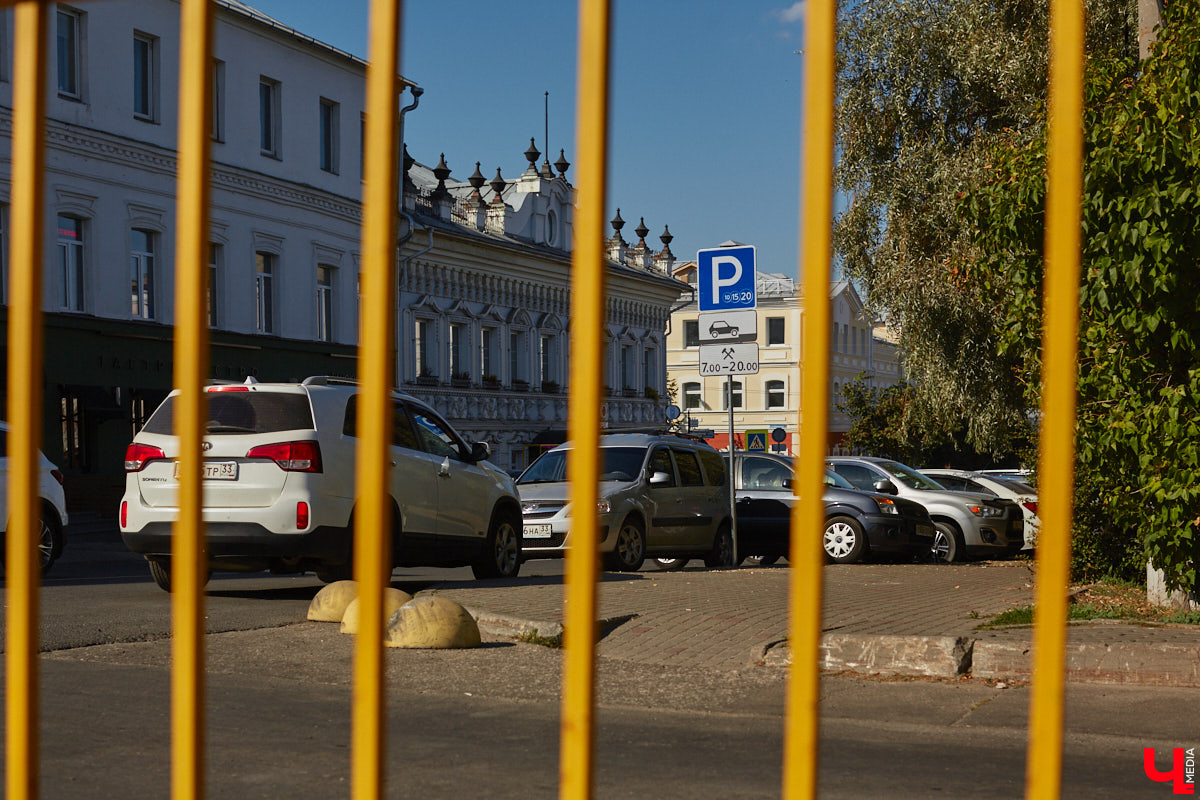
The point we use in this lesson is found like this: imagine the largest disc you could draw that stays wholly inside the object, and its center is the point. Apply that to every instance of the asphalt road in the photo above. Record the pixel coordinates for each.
(484, 723)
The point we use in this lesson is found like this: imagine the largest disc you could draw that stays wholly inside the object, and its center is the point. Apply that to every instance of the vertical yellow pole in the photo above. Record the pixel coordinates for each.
(22, 567)
(189, 560)
(806, 553)
(576, 749)
(1056, 469)
(376, 367)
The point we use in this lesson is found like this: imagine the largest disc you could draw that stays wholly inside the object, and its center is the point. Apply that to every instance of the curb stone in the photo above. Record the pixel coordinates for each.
(927, 656)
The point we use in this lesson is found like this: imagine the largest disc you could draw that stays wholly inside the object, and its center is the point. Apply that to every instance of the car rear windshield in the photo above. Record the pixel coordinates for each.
(243, 413)
(909, 476)
(617, 464)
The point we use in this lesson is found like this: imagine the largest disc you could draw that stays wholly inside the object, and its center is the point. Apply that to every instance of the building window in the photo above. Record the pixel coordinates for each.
(215, 255)
(268, 117)
(325, 274)
(426, 349)
(626, 367)
(218, 101)
(3, 254)
(329, 135)
(264, 290)
(546, 359)
(70, 55)
(458, 352)
(775, 395)
(734, 389)
(691, 395)
(691, 333)
(774, 330)
(70, 263)
(141, 273)
(516, 364)
(70, 419)
(145, 77)
(488, 357)
(854, 341)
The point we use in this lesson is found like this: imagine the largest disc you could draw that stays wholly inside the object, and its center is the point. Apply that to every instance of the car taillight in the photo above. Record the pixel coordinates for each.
(291, 456)
(138, 455)
(301, 515)
(1031, 505)
(124, 512)
(58, 476)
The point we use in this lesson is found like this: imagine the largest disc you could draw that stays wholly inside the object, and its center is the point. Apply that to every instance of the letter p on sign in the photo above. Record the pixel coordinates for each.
(725, 278)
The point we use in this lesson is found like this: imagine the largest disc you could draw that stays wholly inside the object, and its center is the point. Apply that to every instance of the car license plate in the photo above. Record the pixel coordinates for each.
(538, 531)
(925, 530)
(216, 470)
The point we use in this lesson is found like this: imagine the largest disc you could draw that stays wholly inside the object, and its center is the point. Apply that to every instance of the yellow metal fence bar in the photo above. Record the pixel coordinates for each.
(576, 745)
(25, 399)
(189, 560)
(376, 365)
(806, 553)
(1056, 469)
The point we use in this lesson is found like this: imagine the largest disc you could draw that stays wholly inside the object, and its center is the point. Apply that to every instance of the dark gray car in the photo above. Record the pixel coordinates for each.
(857, 523)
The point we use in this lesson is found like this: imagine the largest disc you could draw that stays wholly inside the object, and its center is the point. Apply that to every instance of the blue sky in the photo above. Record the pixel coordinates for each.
(705, 115)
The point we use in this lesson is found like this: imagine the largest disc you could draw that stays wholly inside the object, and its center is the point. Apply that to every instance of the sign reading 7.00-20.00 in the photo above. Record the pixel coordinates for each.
(729, 359)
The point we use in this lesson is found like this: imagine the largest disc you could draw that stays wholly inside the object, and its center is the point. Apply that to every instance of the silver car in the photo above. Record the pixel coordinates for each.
(1020, 492)
(966, 523)
(659, 495)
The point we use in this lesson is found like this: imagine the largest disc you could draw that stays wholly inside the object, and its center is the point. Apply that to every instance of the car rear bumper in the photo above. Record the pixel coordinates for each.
(247, 540)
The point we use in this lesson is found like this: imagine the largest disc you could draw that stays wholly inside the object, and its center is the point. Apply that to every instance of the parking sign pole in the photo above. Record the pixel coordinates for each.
(732, 467)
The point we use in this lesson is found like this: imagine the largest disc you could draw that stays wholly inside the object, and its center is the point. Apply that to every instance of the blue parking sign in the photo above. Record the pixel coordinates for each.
(725, 277)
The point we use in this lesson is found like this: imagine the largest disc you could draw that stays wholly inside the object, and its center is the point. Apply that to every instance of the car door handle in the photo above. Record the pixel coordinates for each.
(444, 472)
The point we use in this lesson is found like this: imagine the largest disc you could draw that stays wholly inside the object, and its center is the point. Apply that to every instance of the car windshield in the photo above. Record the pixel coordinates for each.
(617, 464)
(909, 476)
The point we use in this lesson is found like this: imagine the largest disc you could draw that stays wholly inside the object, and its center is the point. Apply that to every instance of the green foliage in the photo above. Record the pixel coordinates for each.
(1138, 429)
(881, 425)
(923, 88)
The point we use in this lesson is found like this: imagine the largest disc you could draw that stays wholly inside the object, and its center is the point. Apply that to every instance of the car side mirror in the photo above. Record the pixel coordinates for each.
(480, 451)
(659, 478)
(885, 487)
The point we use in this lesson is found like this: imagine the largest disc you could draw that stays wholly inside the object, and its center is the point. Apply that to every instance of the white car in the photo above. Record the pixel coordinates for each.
(279, 490)
(51, 530)
(1020, 492)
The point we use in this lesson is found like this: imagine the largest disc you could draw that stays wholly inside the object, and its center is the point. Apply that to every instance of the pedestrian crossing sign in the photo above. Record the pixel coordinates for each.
(756, 441)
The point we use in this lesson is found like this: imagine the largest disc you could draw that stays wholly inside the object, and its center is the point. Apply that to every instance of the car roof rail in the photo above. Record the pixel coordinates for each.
(328, 380)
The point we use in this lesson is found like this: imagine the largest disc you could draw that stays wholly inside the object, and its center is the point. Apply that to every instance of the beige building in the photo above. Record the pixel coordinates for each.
(770, 399)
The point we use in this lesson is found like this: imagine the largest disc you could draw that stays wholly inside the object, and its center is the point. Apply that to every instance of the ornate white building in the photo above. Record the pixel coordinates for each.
(483, 280)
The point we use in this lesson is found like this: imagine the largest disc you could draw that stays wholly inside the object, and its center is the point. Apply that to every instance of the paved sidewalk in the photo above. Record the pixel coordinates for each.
(917, 619)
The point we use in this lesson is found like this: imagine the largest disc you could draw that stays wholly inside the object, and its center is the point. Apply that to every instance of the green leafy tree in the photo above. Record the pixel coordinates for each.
(1138, 428)
(923, 87)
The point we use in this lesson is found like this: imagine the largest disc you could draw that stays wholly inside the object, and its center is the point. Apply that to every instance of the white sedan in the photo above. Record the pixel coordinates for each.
(1020, 492)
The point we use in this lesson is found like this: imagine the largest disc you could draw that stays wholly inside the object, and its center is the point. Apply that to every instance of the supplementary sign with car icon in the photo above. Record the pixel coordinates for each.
(728, 326)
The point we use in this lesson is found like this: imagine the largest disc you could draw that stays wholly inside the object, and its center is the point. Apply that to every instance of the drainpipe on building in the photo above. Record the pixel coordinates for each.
(405, 236)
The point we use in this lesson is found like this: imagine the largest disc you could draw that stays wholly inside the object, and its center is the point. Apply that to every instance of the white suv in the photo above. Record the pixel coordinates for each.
(52, 506)
(279, 489)
(659, 495)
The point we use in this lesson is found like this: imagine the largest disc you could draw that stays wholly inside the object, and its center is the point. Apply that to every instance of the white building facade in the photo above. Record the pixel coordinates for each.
(284, 242)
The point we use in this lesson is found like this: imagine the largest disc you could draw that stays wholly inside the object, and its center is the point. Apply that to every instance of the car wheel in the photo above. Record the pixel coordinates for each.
(50, 541)
(721, 555)
(160, 570)
(762, 561)
(948, 545)
(630, 550)
(844, 540)
(501, 556)
(671, 564)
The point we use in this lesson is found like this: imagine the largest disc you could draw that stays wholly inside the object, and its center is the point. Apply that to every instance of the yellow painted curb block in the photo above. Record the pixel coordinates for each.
(432, 621)
(330, 603)
(392, 600)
